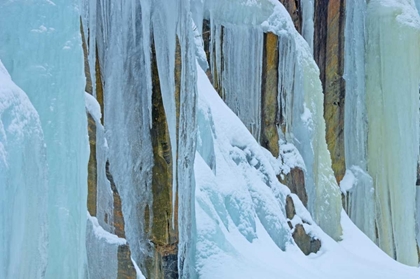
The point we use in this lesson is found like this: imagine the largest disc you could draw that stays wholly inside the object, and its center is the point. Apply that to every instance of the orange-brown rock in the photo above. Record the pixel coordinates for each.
(92, 169)
(290, 208)
(118, 217)
(99, 86)
(269, 91)
(164, 229)
(306, 243)
(126, 268)
(329, 23)
(294, 9)
(295, 181)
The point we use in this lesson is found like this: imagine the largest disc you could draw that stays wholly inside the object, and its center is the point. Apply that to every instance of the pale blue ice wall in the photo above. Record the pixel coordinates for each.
(392, 79)
(23, 185)
(41, 48)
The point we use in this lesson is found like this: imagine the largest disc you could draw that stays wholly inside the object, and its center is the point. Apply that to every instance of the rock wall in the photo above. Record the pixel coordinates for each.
(329, 23)
(270, 114)
(295, 10)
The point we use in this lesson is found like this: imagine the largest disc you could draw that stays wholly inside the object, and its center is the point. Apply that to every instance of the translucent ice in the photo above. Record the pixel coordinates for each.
(43, 55)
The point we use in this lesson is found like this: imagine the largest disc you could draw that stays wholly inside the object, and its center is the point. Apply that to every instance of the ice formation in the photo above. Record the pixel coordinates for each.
(300, 92)
(23, 168)
(121, 33)
(227, 207)
(308, 21)
(44, 57)
(239, 212)
(360, 201)
(392, 80)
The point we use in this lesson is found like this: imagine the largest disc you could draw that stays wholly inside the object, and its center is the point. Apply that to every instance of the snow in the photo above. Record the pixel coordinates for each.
(236, 64)
(348, 181)
(138, 271)
(232, 221)
(93, 107)
(102, 234)
(237, 235)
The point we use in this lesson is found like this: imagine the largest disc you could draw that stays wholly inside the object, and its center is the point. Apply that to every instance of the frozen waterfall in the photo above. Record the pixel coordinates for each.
(23, 168)
(44, 57)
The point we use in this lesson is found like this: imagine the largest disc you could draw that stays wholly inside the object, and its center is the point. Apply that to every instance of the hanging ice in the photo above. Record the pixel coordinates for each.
(300, 98)
(23, 185)
(43, 55)
(160, 37)
(392, 80)
(308, 22)
(360, 200)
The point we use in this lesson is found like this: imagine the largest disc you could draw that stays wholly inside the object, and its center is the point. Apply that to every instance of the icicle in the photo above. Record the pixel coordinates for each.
(360, 201)
(392, 80)
(308, 22)
(242, 52)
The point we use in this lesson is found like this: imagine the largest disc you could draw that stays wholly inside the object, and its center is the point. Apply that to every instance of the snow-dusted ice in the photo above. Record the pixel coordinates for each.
(231, 205)
(240, 213)
(41, 49)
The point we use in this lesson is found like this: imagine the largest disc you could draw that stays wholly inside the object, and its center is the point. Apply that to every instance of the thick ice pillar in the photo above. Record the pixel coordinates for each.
(44, 56)
(392, 79)
(360, 203)
(23, 185)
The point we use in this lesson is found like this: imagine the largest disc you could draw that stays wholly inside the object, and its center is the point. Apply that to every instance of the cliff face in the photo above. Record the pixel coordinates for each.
(266, 99)
(329, 23)
(221, 143)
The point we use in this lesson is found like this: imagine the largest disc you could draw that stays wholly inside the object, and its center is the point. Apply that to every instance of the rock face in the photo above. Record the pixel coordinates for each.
(92, 172)
(271, 120)
(295, 180)
(164, 228)
(269, 113)
(304, 241)
(329, 21)
(295, 11)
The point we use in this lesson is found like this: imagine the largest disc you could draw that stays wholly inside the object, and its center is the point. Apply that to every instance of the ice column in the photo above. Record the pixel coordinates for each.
(308, 22)
(23, 185)
(44, 56)
(301, 101)
(360, 202)
(392, 79)
(127, 88)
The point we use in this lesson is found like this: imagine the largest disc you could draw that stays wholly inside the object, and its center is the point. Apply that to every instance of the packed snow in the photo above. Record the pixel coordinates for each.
(240, 213)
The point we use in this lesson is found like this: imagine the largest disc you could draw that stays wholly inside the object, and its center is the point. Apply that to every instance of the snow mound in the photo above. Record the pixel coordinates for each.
(242, 230)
